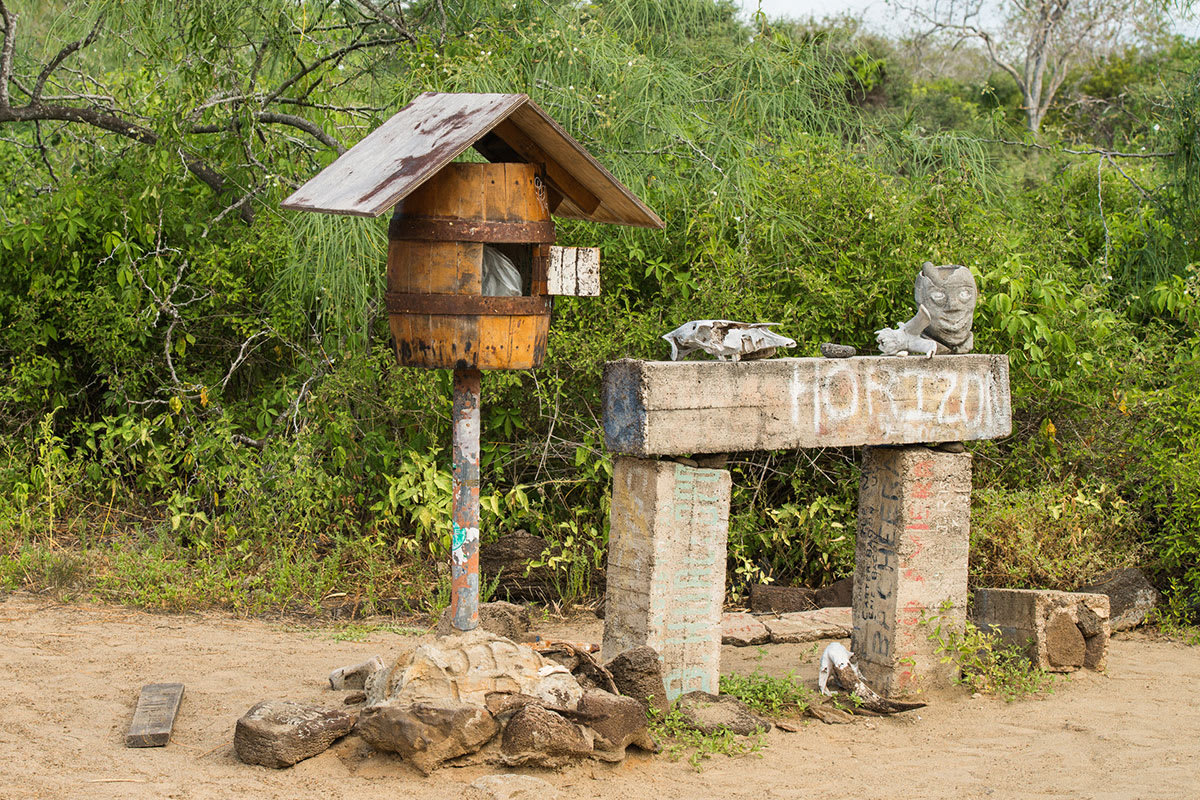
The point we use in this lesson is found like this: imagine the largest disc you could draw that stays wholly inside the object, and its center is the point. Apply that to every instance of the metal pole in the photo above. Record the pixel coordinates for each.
(464, 549)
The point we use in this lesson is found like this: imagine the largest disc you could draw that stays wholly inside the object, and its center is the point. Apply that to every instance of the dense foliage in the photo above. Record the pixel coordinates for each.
(201, 409)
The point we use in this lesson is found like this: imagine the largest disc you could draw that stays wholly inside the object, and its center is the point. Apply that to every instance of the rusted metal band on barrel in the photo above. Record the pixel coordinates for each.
(434, 229)
(456, 305)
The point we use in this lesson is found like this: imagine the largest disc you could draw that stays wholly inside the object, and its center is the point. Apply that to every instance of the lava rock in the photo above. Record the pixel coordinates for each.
(508, 557)
(766, 599)
(839, 594)
(710, 713)
(538, 737)
(427, 734)
(638, 674)
(616, 721)
(503, 619)
(1131, 598)
(278, 733)
(831, 350)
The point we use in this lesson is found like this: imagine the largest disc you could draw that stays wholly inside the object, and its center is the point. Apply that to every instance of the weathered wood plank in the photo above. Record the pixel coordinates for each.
(423, 137)
(402, 153)
(560, 279)
(154, 717)
(587, 272)
(673, 408)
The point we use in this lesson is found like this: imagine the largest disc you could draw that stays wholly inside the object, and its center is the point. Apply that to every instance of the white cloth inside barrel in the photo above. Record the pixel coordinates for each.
(500, 276)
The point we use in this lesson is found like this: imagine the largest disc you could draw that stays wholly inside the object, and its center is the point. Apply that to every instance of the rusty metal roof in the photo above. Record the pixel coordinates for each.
(436, 128)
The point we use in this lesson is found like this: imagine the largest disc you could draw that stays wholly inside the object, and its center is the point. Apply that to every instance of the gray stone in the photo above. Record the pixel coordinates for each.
(355, 677)
(503, 619)
(616, 723)
(663, 408)
(831, 350)
(427, 734)
(1131, 598)
(809, 626)
(742, 630)
(467, 667)
(666, 567)
(710, 713)
(914, 508)
(946, 297)
(1039, 622)
(516, 787)
(538, 737)
(638, 674)
(278, 733)
(769, 599)
(837, 594)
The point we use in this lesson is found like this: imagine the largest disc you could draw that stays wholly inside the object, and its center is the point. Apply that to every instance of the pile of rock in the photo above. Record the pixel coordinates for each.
(476, 694)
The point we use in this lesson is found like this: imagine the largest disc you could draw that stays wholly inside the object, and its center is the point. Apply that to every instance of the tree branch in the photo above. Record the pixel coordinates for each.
(62, 55)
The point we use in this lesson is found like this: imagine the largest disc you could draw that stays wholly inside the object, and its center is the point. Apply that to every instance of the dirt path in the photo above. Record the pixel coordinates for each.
(71, 675)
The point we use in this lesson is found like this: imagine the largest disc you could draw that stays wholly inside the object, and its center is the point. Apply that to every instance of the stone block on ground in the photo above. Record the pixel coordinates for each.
(468, 667)
(914, 512)
(838, 594)
(516, 787)
(637, 672)
(427, 734)
(536, 736)
(278, 733)
(506, 560)
(666, 567)
(710, 713)
(742, 630)
(1058, 631)
(770, 599)
(1131, 598)
(499, 617)
(809, 626)
(355, 676)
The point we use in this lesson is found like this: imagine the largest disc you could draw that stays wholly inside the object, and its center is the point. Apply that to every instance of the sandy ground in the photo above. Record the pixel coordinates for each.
(70, 675)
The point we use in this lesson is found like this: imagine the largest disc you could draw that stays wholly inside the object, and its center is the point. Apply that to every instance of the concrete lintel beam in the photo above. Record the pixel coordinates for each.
(663, 408)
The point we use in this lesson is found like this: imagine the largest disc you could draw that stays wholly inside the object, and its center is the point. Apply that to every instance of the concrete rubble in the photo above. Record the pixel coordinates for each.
(744, 630)
(1058, 631)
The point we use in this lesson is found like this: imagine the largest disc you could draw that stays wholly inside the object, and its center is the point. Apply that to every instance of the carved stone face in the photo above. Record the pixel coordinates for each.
(948, 294)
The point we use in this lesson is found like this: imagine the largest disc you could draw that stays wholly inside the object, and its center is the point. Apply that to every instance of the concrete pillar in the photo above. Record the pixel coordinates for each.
(666, 568)
(914, 522)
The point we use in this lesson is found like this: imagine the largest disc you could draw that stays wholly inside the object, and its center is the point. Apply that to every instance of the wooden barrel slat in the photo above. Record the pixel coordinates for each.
(459, 195)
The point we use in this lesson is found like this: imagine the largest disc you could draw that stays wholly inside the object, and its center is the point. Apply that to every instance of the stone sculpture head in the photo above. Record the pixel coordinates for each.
(948, 293)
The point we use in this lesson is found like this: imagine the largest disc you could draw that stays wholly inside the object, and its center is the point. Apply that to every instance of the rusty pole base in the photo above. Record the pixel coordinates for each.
(464, 549)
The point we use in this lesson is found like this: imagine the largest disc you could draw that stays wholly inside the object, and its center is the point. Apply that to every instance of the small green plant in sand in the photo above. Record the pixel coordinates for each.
(1176, 620)
(767, 694)
(988, 665)
(357, 632)
(679, 741)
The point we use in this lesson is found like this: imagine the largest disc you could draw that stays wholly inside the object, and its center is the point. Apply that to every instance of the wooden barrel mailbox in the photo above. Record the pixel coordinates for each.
(438, 314)
(451, 220)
